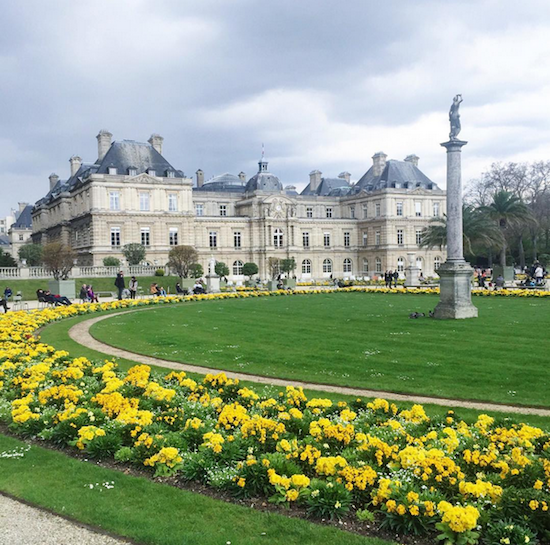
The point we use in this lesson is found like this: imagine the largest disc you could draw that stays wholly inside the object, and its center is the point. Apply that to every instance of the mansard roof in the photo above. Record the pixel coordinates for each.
(396, 174)
(24, 221)
(329, 187)
(263, 180)
(224, 182)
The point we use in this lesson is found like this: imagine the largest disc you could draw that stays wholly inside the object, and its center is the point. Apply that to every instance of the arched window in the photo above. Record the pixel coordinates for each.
(400, 264)
(278, 238)
(237, 268)
(327, 266)
(378, 265)
(347, 265)
(419, 262)
(306, 266)
(365, 266)
(437, 263)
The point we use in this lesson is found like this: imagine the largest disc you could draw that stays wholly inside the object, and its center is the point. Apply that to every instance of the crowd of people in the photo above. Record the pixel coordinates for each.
(87, 294)
(391, 278)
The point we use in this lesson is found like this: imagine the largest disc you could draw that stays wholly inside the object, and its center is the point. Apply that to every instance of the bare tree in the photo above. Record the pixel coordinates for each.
(273, 265)
(181, 258)
(58, 259)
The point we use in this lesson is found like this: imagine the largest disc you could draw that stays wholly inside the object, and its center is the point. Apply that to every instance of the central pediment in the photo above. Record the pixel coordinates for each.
(143, 178)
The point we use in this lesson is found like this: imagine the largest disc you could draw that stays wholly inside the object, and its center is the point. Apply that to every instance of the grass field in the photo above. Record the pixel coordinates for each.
(362, 340)
(28, 287)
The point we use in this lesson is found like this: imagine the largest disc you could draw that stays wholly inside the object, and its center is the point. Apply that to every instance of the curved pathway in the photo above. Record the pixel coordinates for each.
(81, 334)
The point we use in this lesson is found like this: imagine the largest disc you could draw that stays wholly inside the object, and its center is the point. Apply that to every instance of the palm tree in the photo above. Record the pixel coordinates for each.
(477, 231)
(506, 211)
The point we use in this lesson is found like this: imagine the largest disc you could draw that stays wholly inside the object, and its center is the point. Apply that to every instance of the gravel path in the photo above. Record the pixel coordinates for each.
(21, 524)
(81, 334)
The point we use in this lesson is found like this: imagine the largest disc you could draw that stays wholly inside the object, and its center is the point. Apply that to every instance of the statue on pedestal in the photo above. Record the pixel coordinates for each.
(454, 117)
(212, 266)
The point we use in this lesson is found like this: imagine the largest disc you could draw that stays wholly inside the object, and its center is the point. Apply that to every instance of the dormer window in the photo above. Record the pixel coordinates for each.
(132, 171)
(112, 170)
(151, 172)
(170, 174)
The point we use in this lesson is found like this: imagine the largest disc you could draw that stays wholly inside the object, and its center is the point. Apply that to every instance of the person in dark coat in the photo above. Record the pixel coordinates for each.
(4, 303)
(120, 284)
(395, 278)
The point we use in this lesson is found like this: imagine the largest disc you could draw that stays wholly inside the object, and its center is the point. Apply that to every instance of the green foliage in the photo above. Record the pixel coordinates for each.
(111, 261)
(6, 260)
(508, 532)
(196, 270)
(159, 272)
(328, 500)
(134, 253)
(32, 253)
(250, 269)
(182, 259)
(124, 454)
(221, 269)
(288, 265)
(449, 537)
(364, 515)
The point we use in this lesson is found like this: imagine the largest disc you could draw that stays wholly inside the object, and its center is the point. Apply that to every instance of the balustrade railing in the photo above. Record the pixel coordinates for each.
(79, 272)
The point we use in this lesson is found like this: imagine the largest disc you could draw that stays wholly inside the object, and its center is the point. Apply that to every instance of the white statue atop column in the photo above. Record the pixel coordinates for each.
(212, 279)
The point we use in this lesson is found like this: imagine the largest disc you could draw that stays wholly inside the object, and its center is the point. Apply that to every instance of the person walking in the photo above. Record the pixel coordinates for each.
(120, 284)
(133, 286)
(395, 277)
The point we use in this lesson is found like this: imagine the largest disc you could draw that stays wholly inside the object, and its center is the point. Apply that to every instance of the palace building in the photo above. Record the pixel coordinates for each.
(333, 228)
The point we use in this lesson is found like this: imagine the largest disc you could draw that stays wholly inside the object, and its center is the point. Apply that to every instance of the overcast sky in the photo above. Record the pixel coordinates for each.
(323, 84)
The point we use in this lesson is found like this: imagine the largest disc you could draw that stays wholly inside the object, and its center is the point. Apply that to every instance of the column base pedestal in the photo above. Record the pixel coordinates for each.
(212, 283)
(456, 294)
(411, 277)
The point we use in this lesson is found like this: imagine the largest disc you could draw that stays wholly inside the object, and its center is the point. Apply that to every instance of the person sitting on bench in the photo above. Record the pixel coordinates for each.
(4, 303)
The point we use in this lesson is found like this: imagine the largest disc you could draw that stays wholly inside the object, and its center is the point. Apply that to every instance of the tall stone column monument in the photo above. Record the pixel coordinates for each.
(455, 274)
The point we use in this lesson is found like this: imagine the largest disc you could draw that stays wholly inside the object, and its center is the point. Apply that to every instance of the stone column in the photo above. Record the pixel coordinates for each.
(455, 274)
(411, 272)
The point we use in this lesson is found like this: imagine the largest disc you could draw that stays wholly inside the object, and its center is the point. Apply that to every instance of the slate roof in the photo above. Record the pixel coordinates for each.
(329, 187)
(396, 174)
(24, 221)
(224, 182)
(263, 180)
(4, 240)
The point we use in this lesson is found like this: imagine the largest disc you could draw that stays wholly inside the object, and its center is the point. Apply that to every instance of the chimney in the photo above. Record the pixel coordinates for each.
(200, 178)
(378, 163)
(22, 206)
(76, 162)
(53, 180)
(314, 179)
(242, 176)
(156, 141)
(103, 144)
(345, 176)
(412, 159)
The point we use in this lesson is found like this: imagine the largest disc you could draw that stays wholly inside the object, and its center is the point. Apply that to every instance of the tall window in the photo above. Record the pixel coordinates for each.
(347, 239)
(400, 264)
(365, 266)
(399, 209)
(132, 171)
(365, 238)
(223, 209)
(237, 239)
(418, 209)
(436, 209)
(145, 236)
(399, 236)
(173, 236)
(278, 238)
(305, 239)
(327, 266)
(114, 200)
(365, 211)
(378, 265)
(172, 202)
(237, 268)
(326, 240)
(306, 266)
(144, 202)
(437, 263)
(309, 212)
(352, 212)
(419, 262)
(199, 209)
(377, 209)
(329, 212)
(418, 236)
(213, 239)
(347, 265)
(377, 238)
(115, 236)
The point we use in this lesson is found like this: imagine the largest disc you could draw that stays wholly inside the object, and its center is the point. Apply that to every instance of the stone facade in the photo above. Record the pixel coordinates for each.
(332, 229)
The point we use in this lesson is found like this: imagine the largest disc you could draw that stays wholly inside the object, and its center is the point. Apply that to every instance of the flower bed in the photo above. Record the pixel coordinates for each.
(412, 473)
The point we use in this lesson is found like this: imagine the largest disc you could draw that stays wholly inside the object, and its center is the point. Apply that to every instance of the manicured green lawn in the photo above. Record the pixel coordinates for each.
(148, 512)
(28, 287)
(356, 339)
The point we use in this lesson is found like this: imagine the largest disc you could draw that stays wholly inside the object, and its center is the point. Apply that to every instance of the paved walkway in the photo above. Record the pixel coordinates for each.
(24, 525)
(81, 334)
